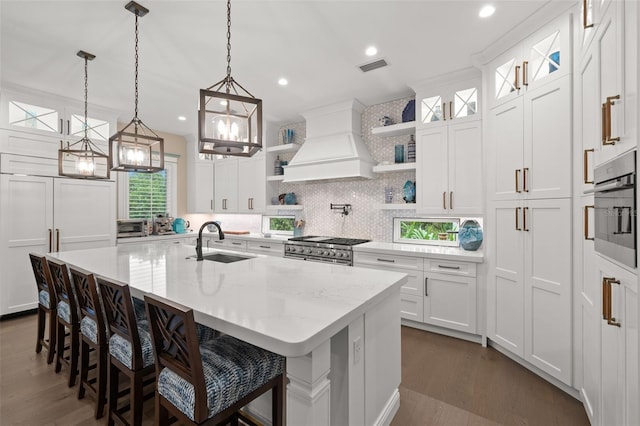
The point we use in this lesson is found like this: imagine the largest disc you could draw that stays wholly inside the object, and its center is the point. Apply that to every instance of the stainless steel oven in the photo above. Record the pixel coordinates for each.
(615, 209)
(132, 228)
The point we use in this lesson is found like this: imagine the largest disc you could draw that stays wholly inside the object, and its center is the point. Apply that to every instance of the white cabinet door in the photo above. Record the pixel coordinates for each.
(505, 151)
(465, 168)
(32, 113)
(431, 173)
(546, 227)
(631, 391)
(547, 140)
(505, 80)
(505, 283)
(226, 186)
(450, 301)
(26, 225)
(84, 214)
(226, 244)
(588, 131)
(251, 184)
(201, 197)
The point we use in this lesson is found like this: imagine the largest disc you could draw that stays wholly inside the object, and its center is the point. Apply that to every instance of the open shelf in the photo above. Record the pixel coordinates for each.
(275, 178)
(397, 206)
(281, 149)
(277, 207)
(395, 129)
(391, 168)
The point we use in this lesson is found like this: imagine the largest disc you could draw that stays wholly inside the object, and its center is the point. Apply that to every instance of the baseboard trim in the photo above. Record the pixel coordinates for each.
(475, 338)
(390, 410)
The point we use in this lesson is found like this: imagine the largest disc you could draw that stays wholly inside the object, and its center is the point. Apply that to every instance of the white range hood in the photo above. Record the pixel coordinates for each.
(333, 148)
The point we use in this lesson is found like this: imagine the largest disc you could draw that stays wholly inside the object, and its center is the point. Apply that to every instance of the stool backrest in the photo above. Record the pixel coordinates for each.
(43, 277)
(62, 284)
(175, 345)
(89, 301)
(120, 316)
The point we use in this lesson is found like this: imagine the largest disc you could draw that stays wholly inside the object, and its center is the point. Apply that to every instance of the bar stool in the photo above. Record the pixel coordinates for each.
(211, 382)
(93, 339)
(67, 319)
(130, 352)
(47, 306)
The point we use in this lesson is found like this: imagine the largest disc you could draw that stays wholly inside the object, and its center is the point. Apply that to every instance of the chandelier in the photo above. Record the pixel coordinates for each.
(136, 148)
(83, 159)
(230, 118)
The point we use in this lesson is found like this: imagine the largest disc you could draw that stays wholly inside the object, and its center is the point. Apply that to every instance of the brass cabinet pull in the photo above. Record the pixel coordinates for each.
(444, 200)
(603, 113)
(516, 82)
(524, 218)
(525, 73)
(57, 239)
(451, 200)
(584, 16)
(50, 240)
(586, 222)
(426, 289)
(444, 111)
(517, 221)
(606, 133)
(605, 302)
(517, 185)
(524, 179)
(451, 110)
(585, 163)
(611, 320)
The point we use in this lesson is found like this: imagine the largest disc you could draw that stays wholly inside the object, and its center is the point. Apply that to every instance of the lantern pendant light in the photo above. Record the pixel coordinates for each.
(136, 148)
(83, 159)
(229, 122)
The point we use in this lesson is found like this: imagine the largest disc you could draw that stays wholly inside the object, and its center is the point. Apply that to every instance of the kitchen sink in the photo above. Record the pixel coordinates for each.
(224, 258)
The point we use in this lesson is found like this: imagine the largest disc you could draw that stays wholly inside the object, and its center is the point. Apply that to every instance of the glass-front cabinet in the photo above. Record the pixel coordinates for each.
(541, 58)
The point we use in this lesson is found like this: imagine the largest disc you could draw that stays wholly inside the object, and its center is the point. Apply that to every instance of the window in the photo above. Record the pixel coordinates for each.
(442, 232)
(278, 225)
(146, 195)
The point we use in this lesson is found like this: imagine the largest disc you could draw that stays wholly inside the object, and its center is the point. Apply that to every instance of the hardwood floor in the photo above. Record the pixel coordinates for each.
(445, 381)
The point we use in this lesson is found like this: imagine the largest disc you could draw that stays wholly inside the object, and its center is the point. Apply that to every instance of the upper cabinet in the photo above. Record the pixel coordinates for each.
(240, 185)
(541, 58)
(448, 102)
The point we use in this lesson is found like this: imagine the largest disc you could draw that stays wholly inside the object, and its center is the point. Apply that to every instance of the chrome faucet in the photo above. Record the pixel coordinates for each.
(199, 240)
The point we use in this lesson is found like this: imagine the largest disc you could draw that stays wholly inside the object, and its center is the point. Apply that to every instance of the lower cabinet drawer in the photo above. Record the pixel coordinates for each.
(412, 307)
(271, 249)
(227, 244)
(387, 260)
(452, 267)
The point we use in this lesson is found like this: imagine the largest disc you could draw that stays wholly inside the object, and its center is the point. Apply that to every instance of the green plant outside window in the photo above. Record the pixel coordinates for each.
(428, 230)
(281, 224)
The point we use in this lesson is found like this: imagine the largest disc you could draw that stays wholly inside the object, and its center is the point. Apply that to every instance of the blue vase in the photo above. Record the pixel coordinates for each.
(470, 235)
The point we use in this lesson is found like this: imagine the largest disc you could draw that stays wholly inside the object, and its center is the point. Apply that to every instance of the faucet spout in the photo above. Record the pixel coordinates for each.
(199, 240)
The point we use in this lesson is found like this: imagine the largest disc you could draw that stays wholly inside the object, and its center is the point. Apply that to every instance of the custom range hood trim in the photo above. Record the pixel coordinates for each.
(333, 148)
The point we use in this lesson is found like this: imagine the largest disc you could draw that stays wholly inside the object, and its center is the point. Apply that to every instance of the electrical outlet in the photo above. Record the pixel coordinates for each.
(357, 350)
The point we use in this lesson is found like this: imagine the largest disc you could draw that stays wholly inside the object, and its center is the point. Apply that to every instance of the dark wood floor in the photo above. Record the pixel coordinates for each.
(445, 381)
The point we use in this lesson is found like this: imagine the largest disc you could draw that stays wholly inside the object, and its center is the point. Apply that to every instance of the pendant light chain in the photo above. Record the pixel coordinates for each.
(86, 94)
(228, 45)
(135, 114)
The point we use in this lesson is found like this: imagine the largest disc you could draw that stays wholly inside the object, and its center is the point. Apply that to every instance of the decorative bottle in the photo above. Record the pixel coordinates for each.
(411, 150)
(278, 170)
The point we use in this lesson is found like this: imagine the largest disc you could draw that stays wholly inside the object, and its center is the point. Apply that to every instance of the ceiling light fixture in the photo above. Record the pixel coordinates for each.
(83, 159)
(235, 129)
(283, 82)
(371, 51)
(487, 11)
(136, 148)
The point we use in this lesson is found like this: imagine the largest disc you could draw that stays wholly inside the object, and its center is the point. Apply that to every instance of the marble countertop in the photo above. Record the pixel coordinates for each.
(284, 305)
(422, 250)
(249, 237)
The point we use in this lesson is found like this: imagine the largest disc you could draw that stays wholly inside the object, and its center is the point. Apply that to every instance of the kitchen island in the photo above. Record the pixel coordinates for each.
(338, 326)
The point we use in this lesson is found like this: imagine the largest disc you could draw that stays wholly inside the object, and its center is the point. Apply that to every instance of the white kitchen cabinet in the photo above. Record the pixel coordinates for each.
(543, 57)
(251, 184)
(529, 282)
(226, 186)
(619, 349)
(529, 146)
(226, 244)
(44, 214)
(200, 179)
(272, 248)
(453, 99)
(449, 175)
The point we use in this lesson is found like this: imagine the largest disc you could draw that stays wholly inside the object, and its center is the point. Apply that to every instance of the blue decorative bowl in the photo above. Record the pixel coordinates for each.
(409, 191)
(290, 198)
(470, 235)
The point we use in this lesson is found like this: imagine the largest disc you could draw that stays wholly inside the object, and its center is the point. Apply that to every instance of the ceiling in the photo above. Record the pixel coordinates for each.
(316, 44)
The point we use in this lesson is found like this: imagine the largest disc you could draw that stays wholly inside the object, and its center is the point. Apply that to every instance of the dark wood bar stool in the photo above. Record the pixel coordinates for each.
(47, 306)
(208, 383)
(67, 318)
(130, 353)
(93, 335)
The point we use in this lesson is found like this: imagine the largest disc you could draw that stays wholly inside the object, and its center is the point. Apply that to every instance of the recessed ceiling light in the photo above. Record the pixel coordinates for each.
(182, 118)
(487, 11)
(283, 82)
(371, 50)
(223, 103)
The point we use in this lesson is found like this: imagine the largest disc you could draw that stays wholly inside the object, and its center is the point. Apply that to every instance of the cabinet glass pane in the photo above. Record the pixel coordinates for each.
(504, 76)
(465, 102)
(96, 129)
(431, 109)
(545, 56)
(33, 117)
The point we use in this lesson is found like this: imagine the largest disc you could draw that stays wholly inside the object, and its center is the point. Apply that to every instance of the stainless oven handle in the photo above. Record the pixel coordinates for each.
(609, 187)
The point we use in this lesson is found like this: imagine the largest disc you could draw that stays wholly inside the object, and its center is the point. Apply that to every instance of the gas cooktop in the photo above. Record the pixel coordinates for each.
(329, 240)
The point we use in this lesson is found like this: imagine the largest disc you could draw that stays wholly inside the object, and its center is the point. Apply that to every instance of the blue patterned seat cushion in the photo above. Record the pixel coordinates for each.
(89, 328)
(43, 298)
(64, 311)
(120, 348)
(139, 310)
(232, 369)
(205, 333)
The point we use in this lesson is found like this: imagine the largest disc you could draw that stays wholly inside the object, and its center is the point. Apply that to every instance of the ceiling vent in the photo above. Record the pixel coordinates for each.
(373, 65)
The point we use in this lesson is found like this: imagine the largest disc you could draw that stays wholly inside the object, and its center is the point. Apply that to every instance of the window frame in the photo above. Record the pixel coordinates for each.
(397, 234)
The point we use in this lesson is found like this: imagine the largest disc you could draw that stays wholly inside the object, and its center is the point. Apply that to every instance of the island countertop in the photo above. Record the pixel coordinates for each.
(283, 305)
